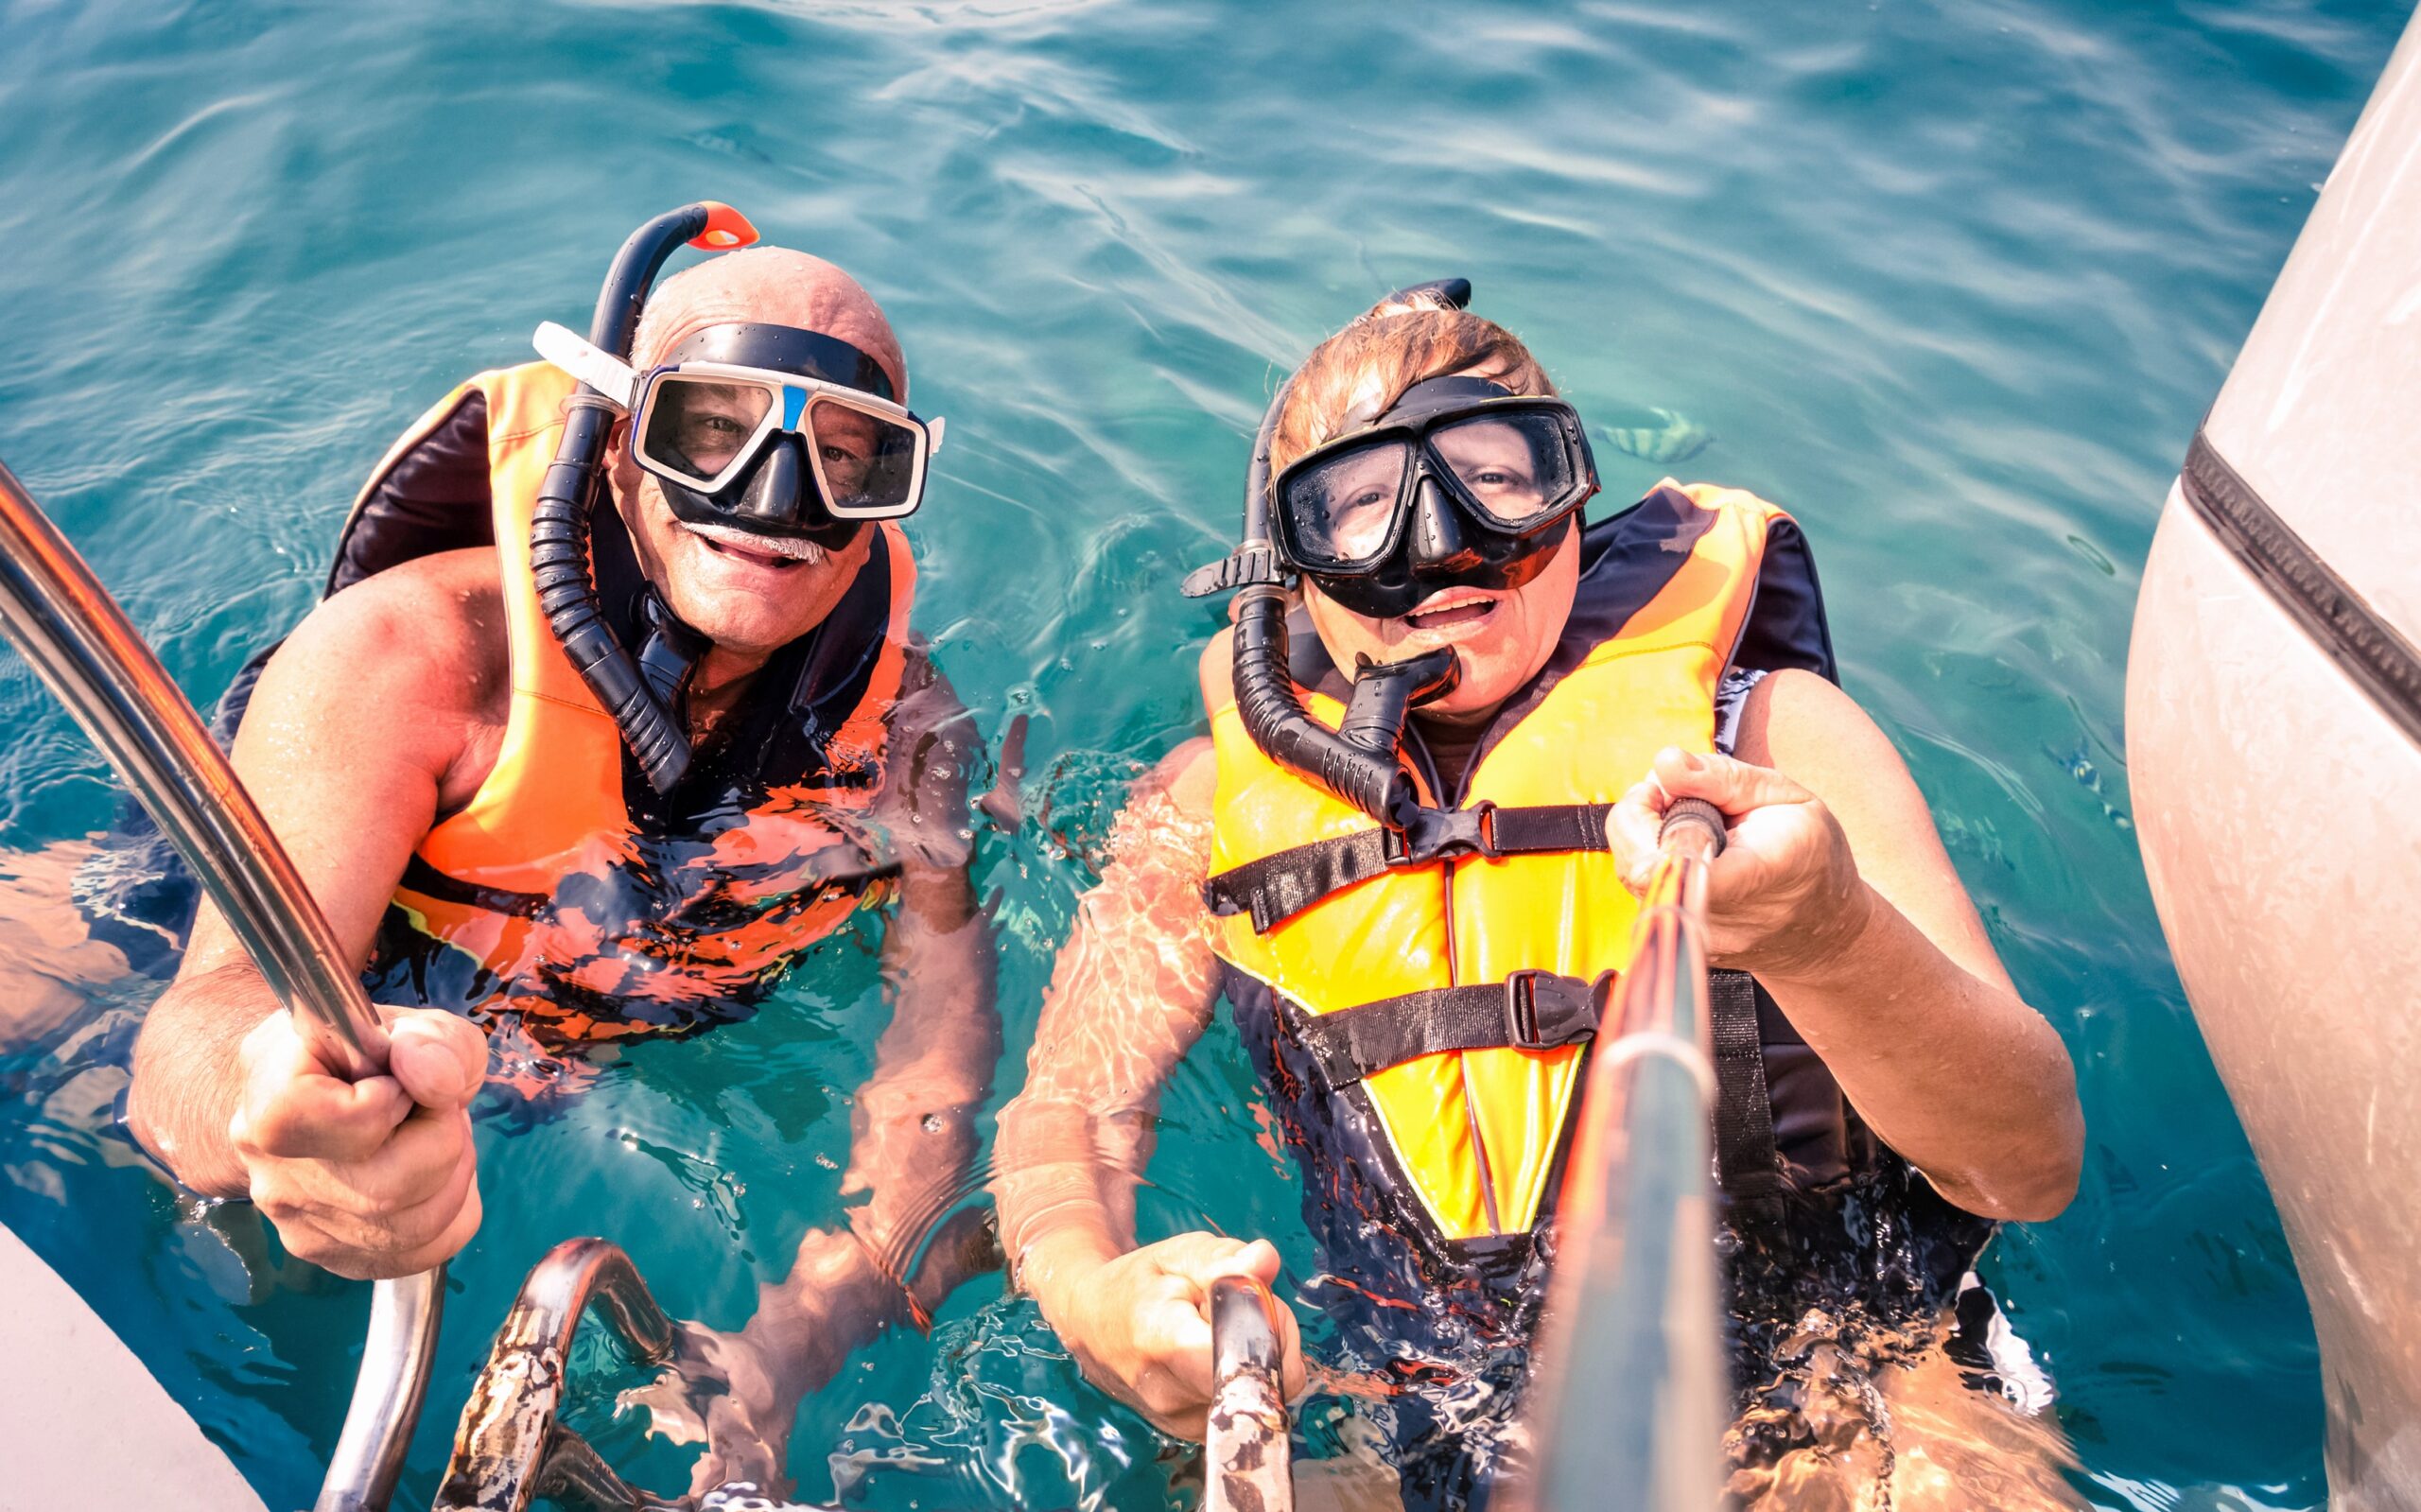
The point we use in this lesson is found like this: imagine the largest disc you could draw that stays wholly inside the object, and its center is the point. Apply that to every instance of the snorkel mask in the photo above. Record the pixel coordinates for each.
(770, 429)
(787, 434)
(1461, 484)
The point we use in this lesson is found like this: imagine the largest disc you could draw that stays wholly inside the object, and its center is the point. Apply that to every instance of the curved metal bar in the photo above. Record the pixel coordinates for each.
(509, 1433)
(1632, 1369)
(388, 1391)
(80, 644)
(1250, 1454)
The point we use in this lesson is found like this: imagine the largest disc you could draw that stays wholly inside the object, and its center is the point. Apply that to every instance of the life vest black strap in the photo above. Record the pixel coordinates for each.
(1540, 1009)
(422, 877)
(1529, 1010)
(1747, 1164)
(1283, 884)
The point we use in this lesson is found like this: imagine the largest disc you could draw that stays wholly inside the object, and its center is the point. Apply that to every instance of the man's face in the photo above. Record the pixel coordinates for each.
(749, 595)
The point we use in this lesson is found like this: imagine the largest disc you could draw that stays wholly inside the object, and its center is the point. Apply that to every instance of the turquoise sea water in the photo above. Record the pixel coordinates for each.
(1952, 282)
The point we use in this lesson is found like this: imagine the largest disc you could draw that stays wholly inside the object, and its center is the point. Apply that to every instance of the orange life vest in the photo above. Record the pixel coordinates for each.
(566, 891)
(1462, 1146)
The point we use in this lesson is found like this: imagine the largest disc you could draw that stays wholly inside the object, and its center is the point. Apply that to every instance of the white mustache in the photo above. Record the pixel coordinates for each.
(780, 545)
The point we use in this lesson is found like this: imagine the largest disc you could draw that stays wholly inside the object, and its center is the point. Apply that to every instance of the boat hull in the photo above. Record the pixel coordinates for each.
(2275, 770)
(82, 1424)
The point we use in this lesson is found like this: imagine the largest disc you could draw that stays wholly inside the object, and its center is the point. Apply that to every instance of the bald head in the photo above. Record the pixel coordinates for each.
(768, 285)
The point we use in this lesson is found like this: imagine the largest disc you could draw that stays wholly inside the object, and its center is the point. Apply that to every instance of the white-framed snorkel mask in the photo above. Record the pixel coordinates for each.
(766, 428)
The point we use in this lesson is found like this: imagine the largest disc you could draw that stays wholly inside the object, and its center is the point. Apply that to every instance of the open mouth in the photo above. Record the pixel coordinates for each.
(1463, 609)
(759, 551)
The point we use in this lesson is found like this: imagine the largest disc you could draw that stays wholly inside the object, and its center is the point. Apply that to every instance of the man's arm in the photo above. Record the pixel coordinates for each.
(912, 1129)
(361, 724)
(912, 1125)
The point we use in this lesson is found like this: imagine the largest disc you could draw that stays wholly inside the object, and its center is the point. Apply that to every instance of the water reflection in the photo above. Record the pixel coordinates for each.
(51, 967)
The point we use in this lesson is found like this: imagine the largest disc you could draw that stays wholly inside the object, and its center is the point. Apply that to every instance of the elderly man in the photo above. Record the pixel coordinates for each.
(477, 803)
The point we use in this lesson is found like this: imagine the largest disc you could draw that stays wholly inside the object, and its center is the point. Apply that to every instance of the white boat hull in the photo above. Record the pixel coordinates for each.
(2276, 772)
(82, 1424)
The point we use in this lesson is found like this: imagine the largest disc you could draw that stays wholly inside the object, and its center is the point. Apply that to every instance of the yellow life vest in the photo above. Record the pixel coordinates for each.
(1466, 1142)
(564, 889)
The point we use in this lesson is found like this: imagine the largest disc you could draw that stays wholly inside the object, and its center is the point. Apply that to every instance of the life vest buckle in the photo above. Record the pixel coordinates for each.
(1440, 832)
(1545, 1009)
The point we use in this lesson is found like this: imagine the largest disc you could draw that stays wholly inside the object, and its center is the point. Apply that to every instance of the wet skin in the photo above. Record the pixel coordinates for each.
(383, 714)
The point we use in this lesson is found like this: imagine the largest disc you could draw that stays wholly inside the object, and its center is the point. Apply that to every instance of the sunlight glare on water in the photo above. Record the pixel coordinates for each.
(1950, 282)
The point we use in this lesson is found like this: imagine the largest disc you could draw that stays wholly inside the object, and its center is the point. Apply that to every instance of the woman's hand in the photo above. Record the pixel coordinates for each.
(1850, 916)
(1785, 896)
(1139, 1324)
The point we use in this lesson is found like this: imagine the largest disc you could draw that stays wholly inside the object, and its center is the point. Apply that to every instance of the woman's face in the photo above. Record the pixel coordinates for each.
(1500, 637)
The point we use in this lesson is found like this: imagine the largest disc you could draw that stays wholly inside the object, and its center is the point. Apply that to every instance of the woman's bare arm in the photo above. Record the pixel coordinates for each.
(1133, 988)
(1892, 981)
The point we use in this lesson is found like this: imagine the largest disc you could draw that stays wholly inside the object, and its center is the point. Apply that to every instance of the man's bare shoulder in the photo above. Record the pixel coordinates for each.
(435, 623)
(413, 660)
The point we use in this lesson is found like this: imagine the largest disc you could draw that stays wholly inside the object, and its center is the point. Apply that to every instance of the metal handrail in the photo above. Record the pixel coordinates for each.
(1246, 1444)
(511, 1446)
(1628, 1411)
(389, 1388)
(82, 646)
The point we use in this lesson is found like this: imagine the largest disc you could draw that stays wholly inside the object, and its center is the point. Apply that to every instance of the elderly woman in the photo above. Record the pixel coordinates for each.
(1441, 732)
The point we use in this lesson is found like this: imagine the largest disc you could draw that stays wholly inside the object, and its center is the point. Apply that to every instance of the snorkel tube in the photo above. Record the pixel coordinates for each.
(1360, 760)
(567, 496)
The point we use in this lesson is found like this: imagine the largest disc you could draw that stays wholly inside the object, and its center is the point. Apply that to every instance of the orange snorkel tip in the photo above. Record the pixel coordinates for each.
(726, 229)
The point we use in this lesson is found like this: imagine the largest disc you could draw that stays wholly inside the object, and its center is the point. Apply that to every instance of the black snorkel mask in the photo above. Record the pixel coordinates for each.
(785, 434)
(1461, 484)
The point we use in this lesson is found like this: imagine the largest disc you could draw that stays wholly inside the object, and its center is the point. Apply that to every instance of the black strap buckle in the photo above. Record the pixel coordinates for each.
(1544, 1009)
(1251, 563)
(1437, 832)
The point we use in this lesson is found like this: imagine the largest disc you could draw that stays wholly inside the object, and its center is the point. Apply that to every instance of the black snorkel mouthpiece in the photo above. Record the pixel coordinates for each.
(1361, 761)
(1386, 693)
(641, 704)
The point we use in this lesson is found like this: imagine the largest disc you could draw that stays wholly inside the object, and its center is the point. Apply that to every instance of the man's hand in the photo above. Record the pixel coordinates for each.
(740, 1393)
(373, 1178)
(721, 1390)
(1786, 895)
(1139, 1324)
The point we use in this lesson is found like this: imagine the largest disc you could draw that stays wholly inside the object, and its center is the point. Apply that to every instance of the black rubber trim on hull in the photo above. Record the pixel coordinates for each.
(2338, 619)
